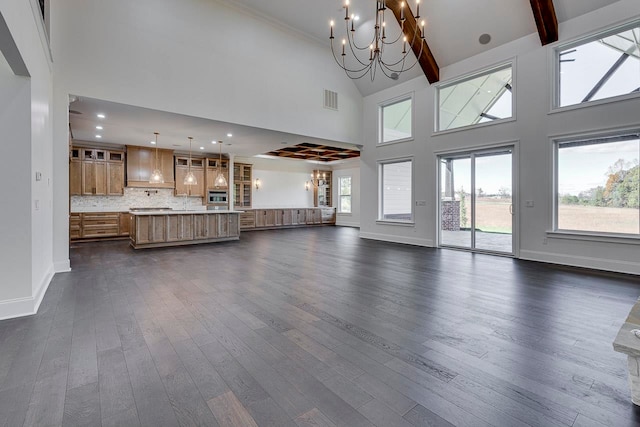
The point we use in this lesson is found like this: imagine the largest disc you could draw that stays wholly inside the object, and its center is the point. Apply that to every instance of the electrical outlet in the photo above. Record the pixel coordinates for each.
(421, 203)
(544, 241)
(37, 205)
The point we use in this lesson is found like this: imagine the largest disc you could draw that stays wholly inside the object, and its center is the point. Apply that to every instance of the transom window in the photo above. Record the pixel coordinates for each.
(396, 197)
(604, 66)
(344, 183)
(396, 120)
(482, 97)
(598, 189)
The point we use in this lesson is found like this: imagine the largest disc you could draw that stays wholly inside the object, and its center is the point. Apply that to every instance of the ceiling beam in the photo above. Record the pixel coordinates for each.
(545, 15)
(427, 61)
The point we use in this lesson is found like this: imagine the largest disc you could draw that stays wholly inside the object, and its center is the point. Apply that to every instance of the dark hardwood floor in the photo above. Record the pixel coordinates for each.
(316, 327)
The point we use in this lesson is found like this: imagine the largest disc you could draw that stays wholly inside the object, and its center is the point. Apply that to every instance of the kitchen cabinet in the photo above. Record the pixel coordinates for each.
(182, 169)
(314, 216)
(75, 177)
(179, 228)
(98, 225)
(94, 178)
(96, 172)
(212, 166)
(265, 218)
(141, 161)
(156, 229)
(286, 217)
(75, 226)
(242, 185)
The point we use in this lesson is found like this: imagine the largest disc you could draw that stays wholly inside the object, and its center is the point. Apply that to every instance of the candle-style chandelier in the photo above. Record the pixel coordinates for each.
(368, 58)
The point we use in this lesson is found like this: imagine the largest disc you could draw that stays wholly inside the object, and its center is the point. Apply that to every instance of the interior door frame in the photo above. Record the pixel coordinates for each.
(514, 145)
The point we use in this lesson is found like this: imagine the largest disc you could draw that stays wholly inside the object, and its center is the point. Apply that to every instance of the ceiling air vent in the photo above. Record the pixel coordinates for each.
(330, 100)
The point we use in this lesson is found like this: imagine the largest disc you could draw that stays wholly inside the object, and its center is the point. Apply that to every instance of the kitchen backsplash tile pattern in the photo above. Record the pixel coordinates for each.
(135, 198)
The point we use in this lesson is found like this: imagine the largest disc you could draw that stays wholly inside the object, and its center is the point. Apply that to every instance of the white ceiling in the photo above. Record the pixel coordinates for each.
(129, 125)
(453, 28)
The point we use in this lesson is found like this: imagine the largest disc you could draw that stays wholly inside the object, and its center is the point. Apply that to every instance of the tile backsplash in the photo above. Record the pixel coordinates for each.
(134, 198)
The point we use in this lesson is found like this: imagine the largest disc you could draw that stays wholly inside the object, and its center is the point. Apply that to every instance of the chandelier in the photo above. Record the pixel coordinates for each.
(317, 177)
(220, 180)
(368, 58)
(190, 178)
(156, 176)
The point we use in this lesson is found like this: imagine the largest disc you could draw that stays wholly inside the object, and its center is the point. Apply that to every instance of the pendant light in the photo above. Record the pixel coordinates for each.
(156, 175)
(190, 178)
(220, 180)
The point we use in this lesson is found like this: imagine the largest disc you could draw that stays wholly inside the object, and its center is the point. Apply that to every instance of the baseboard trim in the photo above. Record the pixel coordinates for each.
(42, 289)
(604, 264)
(27, 306)
(62, 266)
(397, 239)
(348, 224)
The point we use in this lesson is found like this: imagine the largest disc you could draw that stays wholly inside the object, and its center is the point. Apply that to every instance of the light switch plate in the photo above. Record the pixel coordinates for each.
(38, 176)
(528, 203)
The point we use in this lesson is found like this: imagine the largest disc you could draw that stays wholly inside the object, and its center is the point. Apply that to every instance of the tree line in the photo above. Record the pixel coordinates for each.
(622, 189)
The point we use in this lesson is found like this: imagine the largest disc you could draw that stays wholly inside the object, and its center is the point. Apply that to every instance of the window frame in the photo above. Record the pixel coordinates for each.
(394, 101)
(585, 235)
(380, 218)
(579, 41)
(340, 195)
(510, 63)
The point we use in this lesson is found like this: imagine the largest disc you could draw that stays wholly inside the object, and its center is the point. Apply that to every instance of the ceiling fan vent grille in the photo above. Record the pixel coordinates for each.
(330, 100)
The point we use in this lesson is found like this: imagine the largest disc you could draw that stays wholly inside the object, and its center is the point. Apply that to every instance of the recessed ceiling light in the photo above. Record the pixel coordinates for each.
(98, 136)
(214, 142)
(152, 142)
(202, 148)
(101, 116)
(356, 18)
(229, 135)
(99, 127)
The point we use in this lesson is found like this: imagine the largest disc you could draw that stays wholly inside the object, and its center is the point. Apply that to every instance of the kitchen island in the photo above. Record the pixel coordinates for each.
(152, 229)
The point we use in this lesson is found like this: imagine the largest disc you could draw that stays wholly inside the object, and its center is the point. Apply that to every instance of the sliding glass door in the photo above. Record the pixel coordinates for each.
(476, 200)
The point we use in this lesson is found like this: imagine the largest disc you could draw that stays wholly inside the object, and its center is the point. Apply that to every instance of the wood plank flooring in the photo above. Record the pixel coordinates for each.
(316, 327)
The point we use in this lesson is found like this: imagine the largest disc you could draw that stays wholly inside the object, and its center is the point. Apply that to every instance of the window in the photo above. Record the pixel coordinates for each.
(345, 194)
(483, 97)
(597, 184)
(396, 191)
(604, 66)
(396, 120)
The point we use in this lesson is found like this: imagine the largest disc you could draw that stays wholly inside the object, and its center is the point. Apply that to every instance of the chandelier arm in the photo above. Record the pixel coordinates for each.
(353, 44)
(343, 66)
(355, 55)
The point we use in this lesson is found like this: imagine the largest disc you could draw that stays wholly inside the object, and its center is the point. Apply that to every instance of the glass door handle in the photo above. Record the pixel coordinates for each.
(511, 209)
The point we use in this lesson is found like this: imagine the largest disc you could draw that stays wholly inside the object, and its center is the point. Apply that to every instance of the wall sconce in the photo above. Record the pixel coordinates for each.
(257, 183)
(306, 185)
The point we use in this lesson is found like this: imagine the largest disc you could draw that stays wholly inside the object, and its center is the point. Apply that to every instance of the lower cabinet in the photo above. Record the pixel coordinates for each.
(286, 217)
(98, 225)
(155, 230)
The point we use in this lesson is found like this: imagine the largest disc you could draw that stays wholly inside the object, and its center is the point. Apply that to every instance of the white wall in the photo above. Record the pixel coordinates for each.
(25, 129)
(193, 57)
(349, 168)
(531, 132)
(282, 182)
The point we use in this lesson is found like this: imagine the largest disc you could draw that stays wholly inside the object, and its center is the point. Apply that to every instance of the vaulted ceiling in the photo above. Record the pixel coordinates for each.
(452, 31)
